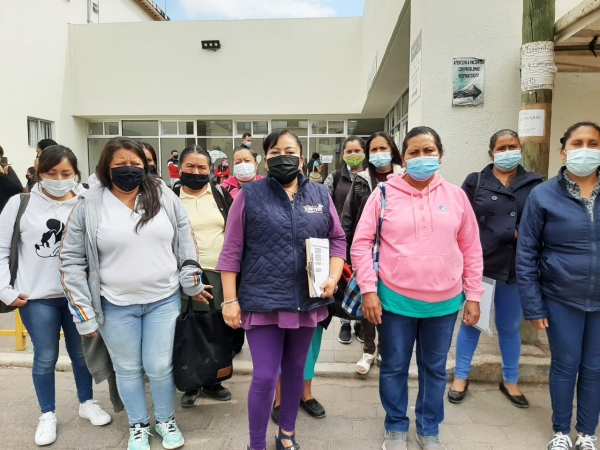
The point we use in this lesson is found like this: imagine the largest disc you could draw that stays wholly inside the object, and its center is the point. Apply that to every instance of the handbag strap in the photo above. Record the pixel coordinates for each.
(378, 233)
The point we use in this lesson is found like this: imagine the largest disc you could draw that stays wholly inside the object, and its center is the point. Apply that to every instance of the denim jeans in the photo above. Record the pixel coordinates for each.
(574, 338)
(43, 320)
(139, 339)
(508, 323)
(433, 336)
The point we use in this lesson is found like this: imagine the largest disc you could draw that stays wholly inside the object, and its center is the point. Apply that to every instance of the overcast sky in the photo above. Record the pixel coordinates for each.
(259, 9)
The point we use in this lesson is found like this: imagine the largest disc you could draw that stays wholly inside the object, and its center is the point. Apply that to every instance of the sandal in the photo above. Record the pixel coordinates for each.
(364, 365)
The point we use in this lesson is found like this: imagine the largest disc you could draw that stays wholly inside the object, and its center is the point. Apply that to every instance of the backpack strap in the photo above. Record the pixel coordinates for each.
(13, 259)
(337, 176)
(477, 186)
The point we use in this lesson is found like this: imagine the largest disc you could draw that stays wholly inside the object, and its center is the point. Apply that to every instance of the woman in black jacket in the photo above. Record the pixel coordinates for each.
(498, 194)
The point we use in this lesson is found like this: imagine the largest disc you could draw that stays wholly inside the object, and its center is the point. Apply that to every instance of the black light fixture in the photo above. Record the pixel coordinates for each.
(211, 45)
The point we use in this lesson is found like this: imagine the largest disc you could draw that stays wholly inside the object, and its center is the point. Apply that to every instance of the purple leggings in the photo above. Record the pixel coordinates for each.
(272, 349)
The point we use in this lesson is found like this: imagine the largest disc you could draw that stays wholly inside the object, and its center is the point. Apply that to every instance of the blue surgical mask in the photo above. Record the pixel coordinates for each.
(380, 160)
(423, 167)
(583, 161)
(508, 160)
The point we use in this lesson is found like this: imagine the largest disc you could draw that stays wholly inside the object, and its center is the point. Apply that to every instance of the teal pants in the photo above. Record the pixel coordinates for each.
(313, 354)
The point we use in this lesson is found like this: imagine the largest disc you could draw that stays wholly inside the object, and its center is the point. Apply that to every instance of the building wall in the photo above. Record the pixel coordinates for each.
(36, 76)
(564, 6)
(271, 67)
(466, 131)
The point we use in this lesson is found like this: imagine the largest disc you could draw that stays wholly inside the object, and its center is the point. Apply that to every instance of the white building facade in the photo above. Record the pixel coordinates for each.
(82, 72)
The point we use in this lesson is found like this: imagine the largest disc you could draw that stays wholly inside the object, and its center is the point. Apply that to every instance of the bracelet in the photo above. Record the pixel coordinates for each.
(233, 300)
(332, 277)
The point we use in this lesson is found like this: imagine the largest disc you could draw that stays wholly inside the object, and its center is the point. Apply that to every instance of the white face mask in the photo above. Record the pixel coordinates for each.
(58, 188)
(248, 144)
(244, 171)
(583, 161)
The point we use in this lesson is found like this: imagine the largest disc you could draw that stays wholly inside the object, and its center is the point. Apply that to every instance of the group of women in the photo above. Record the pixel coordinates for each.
(108, 263)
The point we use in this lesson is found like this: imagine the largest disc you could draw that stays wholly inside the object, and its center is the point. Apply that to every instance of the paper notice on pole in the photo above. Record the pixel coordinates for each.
(486, 307)
(415, 70)
(531, 122)
(327, 159)
(537, 66)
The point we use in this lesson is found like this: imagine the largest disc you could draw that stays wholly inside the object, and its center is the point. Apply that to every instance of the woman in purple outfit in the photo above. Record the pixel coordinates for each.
(265, 241)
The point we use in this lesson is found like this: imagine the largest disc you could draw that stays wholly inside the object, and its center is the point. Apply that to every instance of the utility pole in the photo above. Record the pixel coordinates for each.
(537, 80)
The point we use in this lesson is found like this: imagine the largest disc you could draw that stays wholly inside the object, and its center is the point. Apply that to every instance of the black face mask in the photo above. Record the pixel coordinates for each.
(284, 168)
(127, 178)
(175, 157)
(194, 181)
(153, 169)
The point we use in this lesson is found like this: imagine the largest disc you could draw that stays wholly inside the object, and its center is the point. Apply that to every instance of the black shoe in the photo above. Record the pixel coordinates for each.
(218, 392)
(189, 398)
(458, 397)
(517, 400)
(313, 408)
(345, 336)
(358, 332)
(275, 414)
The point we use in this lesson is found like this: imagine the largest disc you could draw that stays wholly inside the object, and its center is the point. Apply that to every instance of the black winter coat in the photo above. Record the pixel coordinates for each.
(498, 210)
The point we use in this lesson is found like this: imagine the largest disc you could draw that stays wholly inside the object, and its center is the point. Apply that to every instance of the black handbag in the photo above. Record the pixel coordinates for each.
(202, 351)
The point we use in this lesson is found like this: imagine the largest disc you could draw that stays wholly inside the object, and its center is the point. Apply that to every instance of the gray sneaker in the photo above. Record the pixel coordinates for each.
(393, 440)
(430, 442)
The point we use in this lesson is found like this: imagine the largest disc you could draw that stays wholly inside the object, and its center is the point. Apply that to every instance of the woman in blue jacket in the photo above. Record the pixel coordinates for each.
(498, 194)
(265, 240)
(558, 270)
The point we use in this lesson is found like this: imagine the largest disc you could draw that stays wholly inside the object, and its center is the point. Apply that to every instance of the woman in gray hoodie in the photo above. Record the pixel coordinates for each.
(127, 250)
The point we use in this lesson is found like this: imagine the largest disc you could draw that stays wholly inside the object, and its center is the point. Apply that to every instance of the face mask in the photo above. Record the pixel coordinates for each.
(225, 164)
(127, 178)
(244, 171)
(194, 181)
(381, 160)
(175, 157)
(508, 160)
(153, 169)
(354, 160)
(583, 162)
(58, 188)
(248, 144)
(284, 168)
(423, 167)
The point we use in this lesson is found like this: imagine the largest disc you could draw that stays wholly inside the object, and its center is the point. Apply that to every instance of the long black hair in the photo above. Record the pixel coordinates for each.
(396, 158)
(150, 190)
(569, 132)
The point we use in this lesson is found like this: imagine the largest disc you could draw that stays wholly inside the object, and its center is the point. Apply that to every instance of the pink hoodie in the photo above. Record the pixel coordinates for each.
(430, 249)
(231, 184)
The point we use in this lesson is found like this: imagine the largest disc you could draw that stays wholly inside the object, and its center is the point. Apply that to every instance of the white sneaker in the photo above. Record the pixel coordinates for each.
(45, 432)
(560, 442)
(91, 411)
(585, 442)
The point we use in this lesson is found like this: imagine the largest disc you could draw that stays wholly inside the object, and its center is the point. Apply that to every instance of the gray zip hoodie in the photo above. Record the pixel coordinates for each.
(80, 264)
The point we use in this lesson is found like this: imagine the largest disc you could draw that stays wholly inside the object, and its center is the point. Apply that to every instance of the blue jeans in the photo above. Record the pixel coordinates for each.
(43, 320)
(398, 334)
(574, 338)
(508, 323)
(139, 339)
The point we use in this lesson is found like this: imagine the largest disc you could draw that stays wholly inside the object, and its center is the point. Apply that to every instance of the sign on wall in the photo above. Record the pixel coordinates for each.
(467, 81)
(415, 69)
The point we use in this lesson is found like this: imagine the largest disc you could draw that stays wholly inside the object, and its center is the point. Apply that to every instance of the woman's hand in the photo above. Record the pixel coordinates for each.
(471, 314)
(91, 335)
(371, 308)
(328, 288)
(21, 300)
(203, 296)
(232, 314)
(540, 324)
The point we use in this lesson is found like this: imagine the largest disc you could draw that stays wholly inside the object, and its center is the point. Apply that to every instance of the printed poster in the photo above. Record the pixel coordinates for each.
(467, 81)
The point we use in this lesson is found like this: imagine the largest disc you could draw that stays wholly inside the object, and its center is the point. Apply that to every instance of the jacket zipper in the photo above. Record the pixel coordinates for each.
(294, 250)
(594, 267)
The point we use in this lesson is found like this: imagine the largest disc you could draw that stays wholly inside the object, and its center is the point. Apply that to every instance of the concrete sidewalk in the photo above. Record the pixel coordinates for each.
(339, 360)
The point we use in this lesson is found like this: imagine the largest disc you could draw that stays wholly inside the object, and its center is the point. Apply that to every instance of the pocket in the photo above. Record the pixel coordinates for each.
(255, 272)
(428, 273)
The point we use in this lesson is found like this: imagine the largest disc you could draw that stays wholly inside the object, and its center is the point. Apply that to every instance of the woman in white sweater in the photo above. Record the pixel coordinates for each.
(37, 291)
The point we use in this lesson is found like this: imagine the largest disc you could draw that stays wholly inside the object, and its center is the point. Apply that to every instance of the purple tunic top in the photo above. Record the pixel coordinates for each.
(231, 258)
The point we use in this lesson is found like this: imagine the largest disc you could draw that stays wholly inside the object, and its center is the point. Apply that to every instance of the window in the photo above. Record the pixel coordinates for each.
(215, 128)
(103, 128)
(133, 128)
(181, 128)
(38, 129)
(396, 123)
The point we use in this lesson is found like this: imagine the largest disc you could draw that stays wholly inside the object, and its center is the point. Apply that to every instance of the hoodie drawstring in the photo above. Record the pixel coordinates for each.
(415, 216)
(430, 208)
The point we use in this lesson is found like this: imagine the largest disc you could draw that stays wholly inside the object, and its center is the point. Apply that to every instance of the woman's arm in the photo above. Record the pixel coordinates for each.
(73, 269)
(337, 252)
(470, 246)
(7, 222)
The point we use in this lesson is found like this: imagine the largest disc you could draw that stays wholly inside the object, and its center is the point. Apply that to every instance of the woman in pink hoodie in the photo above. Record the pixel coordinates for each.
(430, 262)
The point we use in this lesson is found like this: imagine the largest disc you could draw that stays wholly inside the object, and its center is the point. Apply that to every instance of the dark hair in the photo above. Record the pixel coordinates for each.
(353, 138)
(52, 156)
(241, 149)
(174, 151)
(1, 152)
(150, 190)
(569, 132)
(396, 159)
(271, 140)
(418, 131)
(194, 149)
(498, 134)
(31, 169)
(149, 147)
(45, 143)
(245, 135)
(315, 156)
